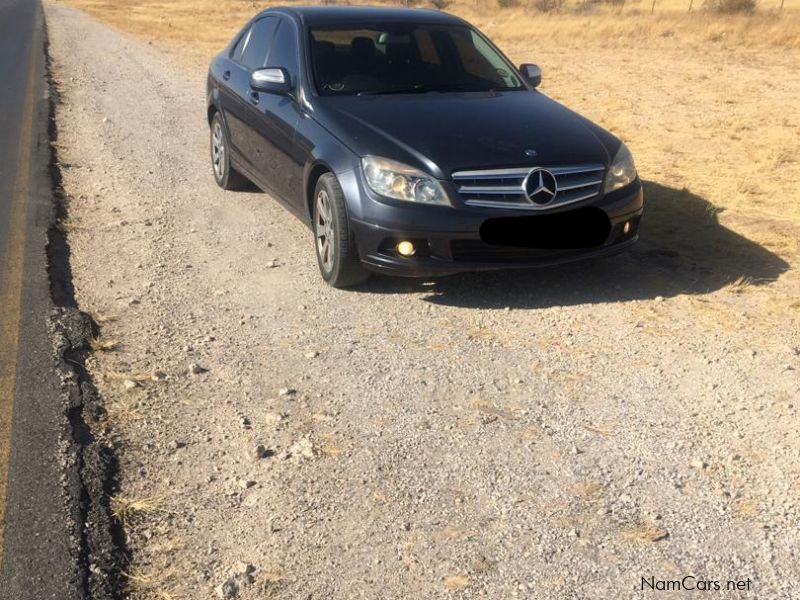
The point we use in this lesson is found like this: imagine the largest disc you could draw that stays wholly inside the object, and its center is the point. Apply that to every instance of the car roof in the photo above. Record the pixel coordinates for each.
(339, 15)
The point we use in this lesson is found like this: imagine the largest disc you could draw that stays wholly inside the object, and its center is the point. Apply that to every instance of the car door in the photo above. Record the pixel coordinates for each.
(275, 120)
(249, 53)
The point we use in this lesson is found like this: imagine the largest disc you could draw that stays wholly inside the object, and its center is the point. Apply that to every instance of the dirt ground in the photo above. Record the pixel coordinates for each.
(559, 433)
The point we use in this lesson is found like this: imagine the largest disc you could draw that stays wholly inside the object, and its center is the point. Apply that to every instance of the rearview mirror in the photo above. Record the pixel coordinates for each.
(272, 80)
(532, 74)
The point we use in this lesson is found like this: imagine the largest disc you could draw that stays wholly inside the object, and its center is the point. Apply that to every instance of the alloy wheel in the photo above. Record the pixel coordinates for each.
(324, 230)
(218, 150)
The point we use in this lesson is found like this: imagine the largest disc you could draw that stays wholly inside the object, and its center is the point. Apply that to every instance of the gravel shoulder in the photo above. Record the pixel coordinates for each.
(551, 434)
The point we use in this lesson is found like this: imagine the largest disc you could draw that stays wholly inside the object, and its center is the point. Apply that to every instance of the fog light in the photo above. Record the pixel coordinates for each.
(627, 227)
(406, 248)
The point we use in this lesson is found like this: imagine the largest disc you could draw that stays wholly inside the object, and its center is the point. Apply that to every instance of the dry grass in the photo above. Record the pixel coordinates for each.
(646, 532)
(456, 582)
(104, 318)
(126, 510)
(66, 225)
(740, 285)
(203, 27)
(100, 345)
(147, 584)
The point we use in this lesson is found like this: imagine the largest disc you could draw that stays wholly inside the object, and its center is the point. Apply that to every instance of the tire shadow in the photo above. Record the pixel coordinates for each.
(682, 249)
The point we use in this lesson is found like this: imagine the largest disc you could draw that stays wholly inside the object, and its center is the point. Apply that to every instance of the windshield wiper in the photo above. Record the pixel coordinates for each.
(424, 89)
(411, 89)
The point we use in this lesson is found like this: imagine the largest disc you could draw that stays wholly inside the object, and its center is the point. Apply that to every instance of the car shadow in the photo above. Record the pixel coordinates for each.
(683, 249)
(248, 187)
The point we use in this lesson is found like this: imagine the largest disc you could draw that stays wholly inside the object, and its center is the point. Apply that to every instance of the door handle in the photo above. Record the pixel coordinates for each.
(226, 75)
(253, 96)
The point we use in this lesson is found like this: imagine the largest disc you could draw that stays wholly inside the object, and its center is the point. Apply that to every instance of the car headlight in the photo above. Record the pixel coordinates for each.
(395, 180)
(622, 170)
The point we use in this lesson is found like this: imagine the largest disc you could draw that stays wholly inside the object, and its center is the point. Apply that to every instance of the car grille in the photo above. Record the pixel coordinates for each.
(503, 188)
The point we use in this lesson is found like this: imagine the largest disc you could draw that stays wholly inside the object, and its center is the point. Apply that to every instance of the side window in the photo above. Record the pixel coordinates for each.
(255, 51)
(283, 52)
(237, 49)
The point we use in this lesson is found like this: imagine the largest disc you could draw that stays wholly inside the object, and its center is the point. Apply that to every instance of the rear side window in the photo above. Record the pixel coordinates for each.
(284, 50)
(257, 45)
(239, 47)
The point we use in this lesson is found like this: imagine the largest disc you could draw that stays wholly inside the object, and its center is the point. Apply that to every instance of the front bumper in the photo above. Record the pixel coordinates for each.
(449, 241)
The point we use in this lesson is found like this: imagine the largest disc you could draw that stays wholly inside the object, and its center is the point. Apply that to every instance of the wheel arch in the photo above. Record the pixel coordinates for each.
(212, 110)
(314, 172)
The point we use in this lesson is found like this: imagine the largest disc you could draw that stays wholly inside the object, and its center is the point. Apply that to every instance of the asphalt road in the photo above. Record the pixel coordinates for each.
(36, 552)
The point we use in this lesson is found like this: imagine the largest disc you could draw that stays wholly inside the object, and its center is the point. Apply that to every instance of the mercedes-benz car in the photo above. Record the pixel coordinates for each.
(410, 145)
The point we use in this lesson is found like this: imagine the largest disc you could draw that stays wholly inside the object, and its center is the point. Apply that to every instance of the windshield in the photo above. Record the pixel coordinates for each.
(406, 58)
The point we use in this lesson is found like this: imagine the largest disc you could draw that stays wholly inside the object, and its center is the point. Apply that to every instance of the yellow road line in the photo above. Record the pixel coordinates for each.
(11, 282)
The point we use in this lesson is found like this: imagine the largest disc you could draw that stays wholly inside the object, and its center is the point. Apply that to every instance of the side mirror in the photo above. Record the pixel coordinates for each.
(272, 80)
(532, 74)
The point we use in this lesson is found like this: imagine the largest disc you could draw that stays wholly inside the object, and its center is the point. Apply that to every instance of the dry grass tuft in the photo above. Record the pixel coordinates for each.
(605, 432)
(646, 532)
(104, 318)
(126, 510)
(456, 582)
(746, 507)
(100, 345)
(269, 578)
(740, 285)
(66, 225)
(151, 585)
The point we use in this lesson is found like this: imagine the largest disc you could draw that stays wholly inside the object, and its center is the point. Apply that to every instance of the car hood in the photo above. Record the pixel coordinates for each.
(443, 133)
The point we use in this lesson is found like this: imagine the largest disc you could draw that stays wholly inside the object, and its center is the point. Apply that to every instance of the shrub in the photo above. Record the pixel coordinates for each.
(547, 6)
(507, 3)
(441, 4)
(731, 6)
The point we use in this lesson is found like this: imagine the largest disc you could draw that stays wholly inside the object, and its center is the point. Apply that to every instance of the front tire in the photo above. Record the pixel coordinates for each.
(337, 254)
(225, 175)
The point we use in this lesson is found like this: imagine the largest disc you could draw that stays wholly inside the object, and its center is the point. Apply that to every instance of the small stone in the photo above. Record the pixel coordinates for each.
(228, 589)
(312, 354)
(261, 451)
(158, 375)
(273, 420)
(133, 301)
(659, 298)
(286, 392)
(247, 483)
(196, 369)
(177, 444)
(129, 384)
(243, 568)
(698, 463)
(302, 449)
(244, 422)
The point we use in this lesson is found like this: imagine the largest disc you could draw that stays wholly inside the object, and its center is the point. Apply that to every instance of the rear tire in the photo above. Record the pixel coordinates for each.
(337, 253)
(225, 175)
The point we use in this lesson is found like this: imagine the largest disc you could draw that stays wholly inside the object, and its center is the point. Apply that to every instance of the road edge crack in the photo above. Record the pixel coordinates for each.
(92, 467)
